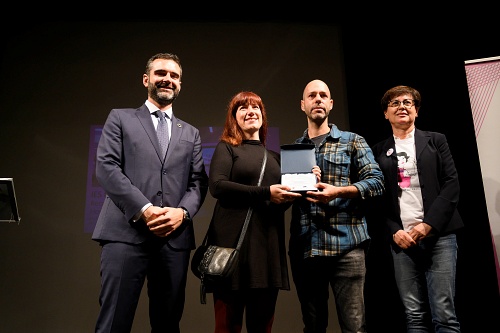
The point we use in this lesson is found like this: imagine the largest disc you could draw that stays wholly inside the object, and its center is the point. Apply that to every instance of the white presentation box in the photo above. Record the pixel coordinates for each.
(297, 161)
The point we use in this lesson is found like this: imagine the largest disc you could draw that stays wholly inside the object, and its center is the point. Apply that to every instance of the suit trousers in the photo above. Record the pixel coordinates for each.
(124, 270)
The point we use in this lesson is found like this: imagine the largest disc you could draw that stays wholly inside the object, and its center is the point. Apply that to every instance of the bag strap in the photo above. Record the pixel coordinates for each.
(249, 213)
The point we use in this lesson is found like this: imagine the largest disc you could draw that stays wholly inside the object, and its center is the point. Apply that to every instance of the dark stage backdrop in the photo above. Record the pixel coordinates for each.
(58, 82)
(429, 57)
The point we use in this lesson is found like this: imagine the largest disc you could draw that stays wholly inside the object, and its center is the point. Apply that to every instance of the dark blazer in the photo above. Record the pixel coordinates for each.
(132, 172)
(438, 181)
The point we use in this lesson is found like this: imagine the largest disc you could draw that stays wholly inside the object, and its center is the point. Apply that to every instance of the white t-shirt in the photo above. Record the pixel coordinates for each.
(410, 194)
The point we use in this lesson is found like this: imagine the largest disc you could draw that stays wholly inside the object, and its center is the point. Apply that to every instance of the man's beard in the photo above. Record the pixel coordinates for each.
(162, 98)
(318, 118)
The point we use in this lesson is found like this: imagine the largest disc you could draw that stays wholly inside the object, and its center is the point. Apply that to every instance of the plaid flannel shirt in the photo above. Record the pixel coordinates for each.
(339, 226)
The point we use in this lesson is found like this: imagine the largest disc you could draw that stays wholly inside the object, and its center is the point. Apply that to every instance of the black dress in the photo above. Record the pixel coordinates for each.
(234, 173)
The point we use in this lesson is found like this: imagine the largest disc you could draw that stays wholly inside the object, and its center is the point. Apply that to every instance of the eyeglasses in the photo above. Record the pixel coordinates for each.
(406, 103)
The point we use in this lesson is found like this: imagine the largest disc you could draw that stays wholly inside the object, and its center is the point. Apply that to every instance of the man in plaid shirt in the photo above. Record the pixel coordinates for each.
(328, 232)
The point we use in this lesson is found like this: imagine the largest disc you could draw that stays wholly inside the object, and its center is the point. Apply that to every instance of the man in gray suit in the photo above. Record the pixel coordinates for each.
(145, 227)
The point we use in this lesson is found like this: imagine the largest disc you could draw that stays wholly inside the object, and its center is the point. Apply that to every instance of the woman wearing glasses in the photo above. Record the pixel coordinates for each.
(420, 211)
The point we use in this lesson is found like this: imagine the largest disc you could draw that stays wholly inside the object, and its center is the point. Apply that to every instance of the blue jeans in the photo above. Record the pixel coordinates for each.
(425, 276)
(346, 276)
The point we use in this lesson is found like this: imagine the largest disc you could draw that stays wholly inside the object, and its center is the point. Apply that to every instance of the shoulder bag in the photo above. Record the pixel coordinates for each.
(211, 263)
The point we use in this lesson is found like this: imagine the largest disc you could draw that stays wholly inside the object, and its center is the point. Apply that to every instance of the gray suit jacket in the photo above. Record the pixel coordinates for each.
(132, 172)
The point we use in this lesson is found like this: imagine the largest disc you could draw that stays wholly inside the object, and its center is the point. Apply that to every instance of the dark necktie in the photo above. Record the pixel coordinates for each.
(162, 132)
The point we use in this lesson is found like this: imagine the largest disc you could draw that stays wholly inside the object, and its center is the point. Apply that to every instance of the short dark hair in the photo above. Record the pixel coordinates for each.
(166, 56)
(398, 91)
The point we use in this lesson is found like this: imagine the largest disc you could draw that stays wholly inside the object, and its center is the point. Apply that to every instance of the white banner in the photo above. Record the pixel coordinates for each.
(483, 76)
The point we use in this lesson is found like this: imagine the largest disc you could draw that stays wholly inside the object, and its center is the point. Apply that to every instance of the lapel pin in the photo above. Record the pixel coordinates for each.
(390, 151)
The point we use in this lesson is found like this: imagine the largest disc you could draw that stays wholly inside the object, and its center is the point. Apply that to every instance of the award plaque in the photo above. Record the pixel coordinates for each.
(297, 161)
